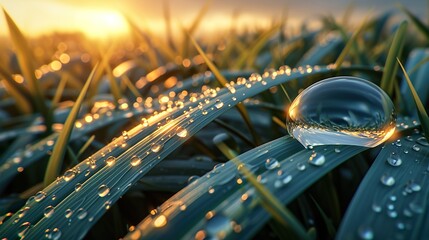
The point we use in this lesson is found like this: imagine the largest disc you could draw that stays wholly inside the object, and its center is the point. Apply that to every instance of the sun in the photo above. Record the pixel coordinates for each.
(101, 23)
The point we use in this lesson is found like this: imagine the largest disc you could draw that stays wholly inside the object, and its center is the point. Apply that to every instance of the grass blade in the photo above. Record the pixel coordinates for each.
(56, 159)
(423, 116)
(416, 21)
(25, 60)
(390, 67)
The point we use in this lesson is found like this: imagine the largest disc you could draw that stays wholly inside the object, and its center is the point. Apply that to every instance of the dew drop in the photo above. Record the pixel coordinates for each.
(135, 161)
(337, 150)
(110, 161)
(144, 122)
(69, 175)
(156, 147)
(218, 226)
(300, 166)
(387, 180)
(192, 179)
(316, 159)
(218, 104)
(77, 187)
(394, 160)
(68, 213)
(160, 221)
(22, 230)
(365, 233)
(81, 213)
(39, 196)
(271, 163)
(416, 148)
(55, 234)
(49, 210)
(422, 141)
(342, 110)
(181, 132)
(103, 190)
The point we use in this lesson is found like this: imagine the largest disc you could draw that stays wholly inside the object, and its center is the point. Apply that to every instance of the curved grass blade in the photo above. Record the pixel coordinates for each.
(392, 200)
(390, 67)
(21, 95)
(55, 161)
(421, 111)
(416, 21)
(25, 60)
(101, 184)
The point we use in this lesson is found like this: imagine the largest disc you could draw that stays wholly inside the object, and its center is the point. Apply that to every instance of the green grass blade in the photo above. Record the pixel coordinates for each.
(221, 79)
(60, 89)
(391, 200)
(390, 67)
(114, 87)
(416, 21)
(25, 60)
(423, 116)
(55, 161)
(268, 201)
(19, 91)
(85, 146)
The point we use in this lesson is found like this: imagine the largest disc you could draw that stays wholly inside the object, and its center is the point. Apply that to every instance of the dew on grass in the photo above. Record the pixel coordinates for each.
(22, 230)
(181, 132)
(387, 180)
(365, 233)
(110, 161)
(160, 221)
(156, 147)
(68, 213)
(135, 161)
(40, 195)
(81, 213)
(341, 111)
(271, 163)
(316, 159)
(217, 225)
(53, 234)
(394, 160)
(69, 175)
(49, 210)
(103, 190)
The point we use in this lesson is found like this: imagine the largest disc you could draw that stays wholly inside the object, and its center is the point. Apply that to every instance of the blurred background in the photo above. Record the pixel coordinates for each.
(105, 18)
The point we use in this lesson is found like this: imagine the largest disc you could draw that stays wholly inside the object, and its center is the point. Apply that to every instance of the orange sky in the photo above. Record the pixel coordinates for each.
(103, 18)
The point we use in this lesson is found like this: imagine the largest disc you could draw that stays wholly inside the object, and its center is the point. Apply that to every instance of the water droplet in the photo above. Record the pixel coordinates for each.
(416, 148)
(39, 196)
(49, 210)
(110, 161)
(316, 159)
(69, 175)
(144, 122)
(156, 147)
(387, 180)
(77, 187)
(81, 213)
(342, 110)
(366, 233)
(376, 208)
(22, 230)
(422, 141)
(192, 179)
(394, 160)
(103, 190)
(68, 213)
(55, 234)
(135, 161)
(337, 150)
(398, 143)
(218, 104)
(160, 221)
(181, 132)
(300, 166)
(271, 163)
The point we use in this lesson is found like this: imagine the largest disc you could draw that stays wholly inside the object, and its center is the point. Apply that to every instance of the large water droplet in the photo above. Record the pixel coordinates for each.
(394, 160)
(387, 180)
(110, 161)
(342, 110)
(103, 190)
(22, 230)
(39, 196)
(181, 132)
(69, 175)
(271, 163)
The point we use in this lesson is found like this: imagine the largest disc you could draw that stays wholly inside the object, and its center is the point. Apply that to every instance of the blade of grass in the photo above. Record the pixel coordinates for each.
(416, 21)
(114, 88)
(390, 67)
(131, 86)
(60, 89)
(7, 77)
(25, 60)
(55, 161)
(423, 116)
(268, 201)
(85, 146)
(167, 20)
(221, 79)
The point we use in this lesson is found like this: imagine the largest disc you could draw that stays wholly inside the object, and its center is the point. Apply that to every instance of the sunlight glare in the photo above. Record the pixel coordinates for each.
(101, 24)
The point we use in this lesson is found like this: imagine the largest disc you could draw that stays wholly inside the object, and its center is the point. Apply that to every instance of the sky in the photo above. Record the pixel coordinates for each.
(104, 18)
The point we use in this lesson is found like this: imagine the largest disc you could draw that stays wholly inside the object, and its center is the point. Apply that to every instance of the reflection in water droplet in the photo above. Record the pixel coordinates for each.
(160, 221)
(316, 159)
(218, 104)
(394, 160)
(81, 213)
(68, 213)
(271, 163)
(103, 190)
(342, 110)
(135, 161)
(365, 233)
(77, 187)
(387, 180)
(300, 166)
(49, 210)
